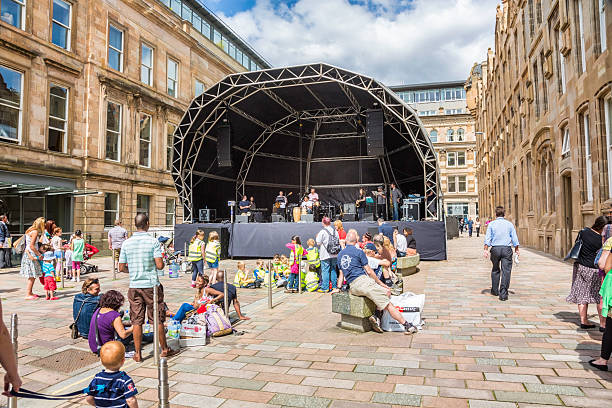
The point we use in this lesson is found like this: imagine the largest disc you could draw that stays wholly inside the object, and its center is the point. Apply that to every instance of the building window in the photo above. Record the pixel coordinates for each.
(561, 73)
(433, 136)
(145, 140)
(462, 184)
(60, 32)
(588, 166)
(170, 129)
(13, 12)
(460, 158)
(58, 118)
(113, 131)
(170, 209)
(142, 204)
(581, 54)
(529, 175)
(451, 159)
(450, 135)
(565, 147)
(172, 77)
(115, 48)
(608, 130)
(11, 102)
(457, 209)
(199, 88)
(111, 209)
(536, 93)
(544, 84)
(146, 64)
(531, 19)
(600, 25)
(457, 184)
(452, 185)
(460, 135)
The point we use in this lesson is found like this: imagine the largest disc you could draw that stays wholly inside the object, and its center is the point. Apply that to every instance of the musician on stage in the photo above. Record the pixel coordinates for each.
(313, 197)
(281, 200)
(244, 205)
(381, 203)
(396, 198)
(306, 205)
(361, 204)
(252, 204)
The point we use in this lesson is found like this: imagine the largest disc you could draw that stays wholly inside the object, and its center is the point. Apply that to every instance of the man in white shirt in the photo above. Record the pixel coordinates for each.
(307, 205)
(313, 196)
(400, 243)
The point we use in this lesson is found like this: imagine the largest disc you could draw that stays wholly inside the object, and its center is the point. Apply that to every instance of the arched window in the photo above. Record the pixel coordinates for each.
(460, 137)
(450, 135)
(433, 135)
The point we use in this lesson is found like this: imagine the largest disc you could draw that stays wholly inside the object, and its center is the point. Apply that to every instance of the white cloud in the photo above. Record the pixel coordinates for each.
(431, 40)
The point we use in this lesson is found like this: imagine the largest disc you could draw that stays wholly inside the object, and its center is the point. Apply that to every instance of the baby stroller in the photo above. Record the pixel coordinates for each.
(88, 253)
(172, 256)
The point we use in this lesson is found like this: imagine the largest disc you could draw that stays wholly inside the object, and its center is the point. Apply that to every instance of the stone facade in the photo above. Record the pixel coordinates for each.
(85, 69)
(543, 111)
(451, 129)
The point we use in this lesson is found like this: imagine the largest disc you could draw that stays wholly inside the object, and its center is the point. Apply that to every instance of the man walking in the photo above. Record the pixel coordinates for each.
(396, 198)
(470, 225)
(5, 243)
(329, 242)
(500, 238)
(116, 236)
(141, 256)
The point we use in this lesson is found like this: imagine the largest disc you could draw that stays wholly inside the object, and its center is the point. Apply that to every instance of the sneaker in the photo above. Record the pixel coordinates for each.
(73, 280)
(130, 354)
(193, 284)
(78, 279)
(54, 298)
(410, 329)
(374, 323)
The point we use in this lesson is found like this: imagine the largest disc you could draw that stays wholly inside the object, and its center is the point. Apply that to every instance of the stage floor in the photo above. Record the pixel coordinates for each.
(263, 240)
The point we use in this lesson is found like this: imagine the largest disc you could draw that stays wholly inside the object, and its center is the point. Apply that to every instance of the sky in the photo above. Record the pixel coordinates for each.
(394, 41)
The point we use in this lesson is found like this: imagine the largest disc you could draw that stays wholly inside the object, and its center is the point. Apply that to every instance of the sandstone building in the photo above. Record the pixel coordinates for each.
(90, 94)
(543, 109)
(443, 111)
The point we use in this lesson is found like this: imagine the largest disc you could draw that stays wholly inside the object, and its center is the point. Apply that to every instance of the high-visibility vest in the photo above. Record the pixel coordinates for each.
(297, 250)
(312, 281)
(265, 278)
(195, 250)
(213, 251)
(240, 278)
(313, 257)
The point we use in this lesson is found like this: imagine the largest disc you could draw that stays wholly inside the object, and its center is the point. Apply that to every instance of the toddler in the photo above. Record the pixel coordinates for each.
(283, 268)
(213, 255)
(259, 270)
(111, 387)
(77, 246)
(49, 275)
(241, 279)
(56, 243)
(313, 257)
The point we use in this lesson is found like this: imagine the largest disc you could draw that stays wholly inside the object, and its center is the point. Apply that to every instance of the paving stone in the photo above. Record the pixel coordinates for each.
(361, 377)
(491, 404)
(527, 397)
(244, 384)
(465, 393)
(554, 389)
(396, 363)
(353, 404)
(378, 370)
(398, 399)
(329, 382)
(495, 362)
(353, 395)
(192, 400)
(299, 401)
(585, 402)
(512, 378)
(256, 360)
(246, 395)
(416, 389)
(289, 388)
(441, 402)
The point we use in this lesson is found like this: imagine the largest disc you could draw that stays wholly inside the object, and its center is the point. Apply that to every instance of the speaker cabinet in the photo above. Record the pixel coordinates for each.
(242, 218)
(278, 218)
(307, 218)
(349, 217)
(224, 146)
(374, 132)
(349, 208)
(368, 217)
(207, 215)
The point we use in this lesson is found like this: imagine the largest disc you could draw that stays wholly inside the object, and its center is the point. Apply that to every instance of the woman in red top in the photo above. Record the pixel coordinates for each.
(341, 233)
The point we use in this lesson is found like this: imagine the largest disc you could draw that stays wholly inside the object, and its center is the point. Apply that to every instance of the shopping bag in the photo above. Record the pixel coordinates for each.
(410, 306)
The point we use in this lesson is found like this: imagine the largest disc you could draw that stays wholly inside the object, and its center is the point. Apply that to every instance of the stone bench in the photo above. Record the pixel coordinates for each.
(407, 265)
(354, 311)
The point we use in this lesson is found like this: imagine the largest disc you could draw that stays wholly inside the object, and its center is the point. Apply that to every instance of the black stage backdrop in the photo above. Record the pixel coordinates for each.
(266, 239)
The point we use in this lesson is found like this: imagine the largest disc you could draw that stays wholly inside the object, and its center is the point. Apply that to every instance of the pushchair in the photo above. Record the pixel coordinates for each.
(172, 256)
(88, 253)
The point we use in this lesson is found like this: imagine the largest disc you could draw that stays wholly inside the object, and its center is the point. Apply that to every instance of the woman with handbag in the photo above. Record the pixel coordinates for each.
(601, 363)
(586, 282)
(84, 305)
(30, 265)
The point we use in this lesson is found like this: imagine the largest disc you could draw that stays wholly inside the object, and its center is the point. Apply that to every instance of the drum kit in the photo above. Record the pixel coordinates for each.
(319, 210)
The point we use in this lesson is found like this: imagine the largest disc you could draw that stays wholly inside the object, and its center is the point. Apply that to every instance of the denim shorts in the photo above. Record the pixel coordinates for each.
(213, 264)
(58, 254)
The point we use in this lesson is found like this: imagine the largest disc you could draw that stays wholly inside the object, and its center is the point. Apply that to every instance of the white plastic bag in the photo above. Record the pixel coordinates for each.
(410, 306)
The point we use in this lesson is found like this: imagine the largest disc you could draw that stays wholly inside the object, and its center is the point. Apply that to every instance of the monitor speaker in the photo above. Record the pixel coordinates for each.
(278, 218)
(374, 132)
(224, 145)
(307, 218)
(349, 217)
(242, 219)
(368, 217)
(349, 208)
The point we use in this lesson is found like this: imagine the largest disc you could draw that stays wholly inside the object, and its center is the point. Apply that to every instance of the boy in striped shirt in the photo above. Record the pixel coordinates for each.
(111, 387)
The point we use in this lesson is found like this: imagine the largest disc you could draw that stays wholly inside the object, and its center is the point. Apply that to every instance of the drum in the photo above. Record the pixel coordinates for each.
(297, 214)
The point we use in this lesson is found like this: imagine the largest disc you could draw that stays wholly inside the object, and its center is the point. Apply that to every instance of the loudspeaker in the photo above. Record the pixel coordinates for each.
(224, 145)
(349, 208)
(242, 218)
(411, 211)
(278, 218)
(349, 216)
(374, 132)
(368, 217)
(307, 218)
(207, 215)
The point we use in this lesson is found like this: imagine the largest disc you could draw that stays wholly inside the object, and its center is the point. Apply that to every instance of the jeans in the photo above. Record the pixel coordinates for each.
(180, 314)
(328, 271)
(5, 258)
(293, 281)
(361, 212)
(477, 231)
(470, 231)
(501, 257)
(198, 269)
(606, 340)
(396, 212)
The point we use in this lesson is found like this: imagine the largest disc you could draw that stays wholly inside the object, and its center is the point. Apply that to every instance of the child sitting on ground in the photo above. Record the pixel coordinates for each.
(242, 280)
(283, 268)
(112, 388)
(48, 278)
(259, 271)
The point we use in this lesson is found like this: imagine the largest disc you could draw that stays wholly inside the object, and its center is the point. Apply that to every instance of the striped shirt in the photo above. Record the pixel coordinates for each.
(118, 387)
(138, 252)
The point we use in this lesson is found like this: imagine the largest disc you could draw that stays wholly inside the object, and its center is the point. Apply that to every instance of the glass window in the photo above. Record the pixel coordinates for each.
(462, 182)
(561, 62)
(199, 87)
(450, 135)
(145, 140)
(565, 148)
(172, 77)
(433, 135)
(115, 48)
(460, 135)
(460, 158)
(170, 211)
(13, 12)
(60, 32)
(603, 44)
(142, 204)
(58, 118)
(580, 40)
(186, 13)
(451, 159)
(206, 29)
(146, 64)
(452, 184)
(587, 157)
(170, 129)
(449, 94)
(175, 5)
(113, 131)
(11, 100)
(111, 209)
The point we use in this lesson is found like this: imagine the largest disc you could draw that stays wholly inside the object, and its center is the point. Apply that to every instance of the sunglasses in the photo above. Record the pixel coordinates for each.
(93, 282)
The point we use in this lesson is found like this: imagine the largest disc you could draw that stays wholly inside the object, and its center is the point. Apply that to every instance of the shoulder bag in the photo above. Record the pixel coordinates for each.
(74, 330)
(574, 253)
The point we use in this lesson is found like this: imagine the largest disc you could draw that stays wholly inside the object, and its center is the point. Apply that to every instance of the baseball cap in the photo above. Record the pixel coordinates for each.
(48, 256)
(370, 246)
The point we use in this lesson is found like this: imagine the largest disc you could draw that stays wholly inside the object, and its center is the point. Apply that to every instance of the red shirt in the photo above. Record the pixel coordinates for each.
(342, 234)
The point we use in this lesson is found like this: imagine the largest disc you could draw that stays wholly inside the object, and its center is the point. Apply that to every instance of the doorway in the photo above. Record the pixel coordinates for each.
(567, 213)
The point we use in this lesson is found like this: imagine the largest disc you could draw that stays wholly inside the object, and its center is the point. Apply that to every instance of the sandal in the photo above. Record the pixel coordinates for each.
(169, 353)
(33, 297)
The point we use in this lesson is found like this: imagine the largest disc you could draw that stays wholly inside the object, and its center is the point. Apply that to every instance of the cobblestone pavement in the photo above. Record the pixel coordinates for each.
(474, 351)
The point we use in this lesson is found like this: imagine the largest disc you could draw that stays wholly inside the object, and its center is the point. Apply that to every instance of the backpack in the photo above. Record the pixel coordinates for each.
(333, 245)
(217, 324)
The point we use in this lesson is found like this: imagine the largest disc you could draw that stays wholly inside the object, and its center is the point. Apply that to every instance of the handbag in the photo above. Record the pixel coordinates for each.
(74, 330)
(574, 253)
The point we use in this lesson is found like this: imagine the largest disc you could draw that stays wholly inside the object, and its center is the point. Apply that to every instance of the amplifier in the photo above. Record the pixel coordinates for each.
(349, 217)
(278, 218)
(368, 217)
(349, 208)
(207, 214)
(307, 218)
(242, 218)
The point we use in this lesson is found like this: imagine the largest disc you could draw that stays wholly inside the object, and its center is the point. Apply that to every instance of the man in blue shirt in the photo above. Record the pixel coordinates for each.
(500, 238)
(385, 228)
(362, 281)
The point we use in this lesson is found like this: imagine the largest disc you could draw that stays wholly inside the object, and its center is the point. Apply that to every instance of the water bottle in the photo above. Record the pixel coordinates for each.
(146, 328)
(173, 270)
(174, 329)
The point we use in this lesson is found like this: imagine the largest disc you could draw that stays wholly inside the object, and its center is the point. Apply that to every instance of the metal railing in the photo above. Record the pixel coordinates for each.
(12, 401)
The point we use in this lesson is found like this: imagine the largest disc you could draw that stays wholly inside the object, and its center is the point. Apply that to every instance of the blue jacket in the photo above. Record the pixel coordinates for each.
(4, 232)
(90, 304)
(387, 230)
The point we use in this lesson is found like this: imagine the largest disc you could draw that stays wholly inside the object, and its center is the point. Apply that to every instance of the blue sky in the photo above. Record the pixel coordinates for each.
(395, 41)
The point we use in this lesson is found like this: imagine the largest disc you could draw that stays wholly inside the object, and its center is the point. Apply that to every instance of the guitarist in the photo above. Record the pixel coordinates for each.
(281, 204)
(361, 204)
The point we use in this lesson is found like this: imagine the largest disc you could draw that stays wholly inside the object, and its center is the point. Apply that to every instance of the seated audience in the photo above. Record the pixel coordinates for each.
(107, 321)
(242, 279)
(367, 237)
(410, 242)
(87, 303)
(400, 243)
(200, 283)
(379, 265)
(215, 292)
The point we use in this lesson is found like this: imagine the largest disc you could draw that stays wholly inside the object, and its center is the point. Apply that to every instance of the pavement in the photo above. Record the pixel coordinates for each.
(474, 351)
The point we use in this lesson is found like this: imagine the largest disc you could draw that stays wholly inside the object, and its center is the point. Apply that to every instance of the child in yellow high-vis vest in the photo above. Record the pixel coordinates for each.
(196, 255)
(295, 258)
(242, 279)
(213, 255)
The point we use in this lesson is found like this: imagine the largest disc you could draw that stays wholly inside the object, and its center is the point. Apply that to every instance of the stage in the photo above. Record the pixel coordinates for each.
(263, 240)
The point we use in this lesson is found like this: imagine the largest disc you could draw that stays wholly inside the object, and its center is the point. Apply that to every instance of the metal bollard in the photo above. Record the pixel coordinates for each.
(163, 390)
(155, 326)
(114, 265)
(225, 303)
(62, 269)
(299, 273)
(270, 284)
(185, 250)
(12, 401)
